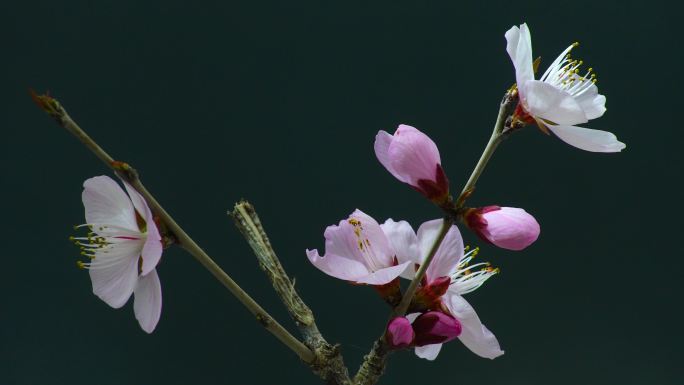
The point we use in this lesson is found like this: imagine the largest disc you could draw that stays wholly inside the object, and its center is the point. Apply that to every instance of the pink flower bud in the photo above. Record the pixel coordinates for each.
(429, 296)
(435, 327)
(413, 158)
(507, 227)
(399, 333)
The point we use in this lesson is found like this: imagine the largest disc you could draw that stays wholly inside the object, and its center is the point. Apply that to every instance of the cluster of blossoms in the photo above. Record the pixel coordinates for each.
(362, 251)
(124, 244)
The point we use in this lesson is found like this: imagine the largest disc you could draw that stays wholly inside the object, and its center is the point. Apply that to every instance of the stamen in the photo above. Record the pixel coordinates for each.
(563, 73)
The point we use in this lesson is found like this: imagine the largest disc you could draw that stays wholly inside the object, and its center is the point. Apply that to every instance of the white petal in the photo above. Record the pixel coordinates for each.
(404, 241)
(412, 317)
(152, 251)
(429, 352)
(474, 335)
(519, 48)
(106, 203)
(450, 250)
(147, 303)
(593, 104)
(137, 199)
(588, 139)
(545, 101)
(114, 273)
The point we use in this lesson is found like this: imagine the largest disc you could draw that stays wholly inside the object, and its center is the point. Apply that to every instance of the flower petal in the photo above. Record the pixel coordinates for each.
(361, 238)
(510, 228)
(153, 248)
(474, 335)
(429, 352)
(399, 333)
(519, 48)
(413, 156)
(383, 140)
(106, 203)
(114, 272)
(404, 241)
(386, 275)
(545, 101)
(147, 303)
(337, 266)
(593, 103)
(588, 139)
(449, 253)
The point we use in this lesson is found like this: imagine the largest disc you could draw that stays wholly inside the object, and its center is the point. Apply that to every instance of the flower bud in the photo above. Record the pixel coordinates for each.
(435, 327)
(413, 158)
(429, 296)
(507, 227)
(399, 333)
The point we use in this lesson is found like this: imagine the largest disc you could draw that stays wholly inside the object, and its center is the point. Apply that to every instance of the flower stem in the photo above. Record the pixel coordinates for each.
(494, 140)
(411, 291)
(55, 110)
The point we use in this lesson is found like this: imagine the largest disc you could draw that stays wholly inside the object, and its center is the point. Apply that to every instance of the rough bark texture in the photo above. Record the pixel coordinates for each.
(328, 363)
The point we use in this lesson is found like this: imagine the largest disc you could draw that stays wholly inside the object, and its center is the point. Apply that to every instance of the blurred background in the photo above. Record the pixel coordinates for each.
(279, 103)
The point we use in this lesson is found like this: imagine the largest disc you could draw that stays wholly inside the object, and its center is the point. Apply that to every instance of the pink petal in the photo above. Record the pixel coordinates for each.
(106, 203)
(385, 275)
(413, 156)
(337, 266)
(357, 250)
(545, 101)
(360, 238)
(114, 273)
(147, 302)
(510, 228)
(474, 335)
(588, 139)
(519, 48)
(449, 253)
(435, 327)
(152, 251)
(399, 333)
(404, 241)
(383, 140)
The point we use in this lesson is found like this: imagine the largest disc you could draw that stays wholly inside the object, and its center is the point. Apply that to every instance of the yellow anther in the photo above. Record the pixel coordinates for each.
(575, 44)
(80, 265)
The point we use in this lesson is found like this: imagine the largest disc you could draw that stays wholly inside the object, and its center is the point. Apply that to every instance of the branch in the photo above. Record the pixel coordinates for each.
(328, 364)
(373, 364)
(126, 172)
(498, 134)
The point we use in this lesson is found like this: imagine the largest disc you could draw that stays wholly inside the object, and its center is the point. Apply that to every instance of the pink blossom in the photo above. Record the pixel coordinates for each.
(451, 270)
(507, 227)
(413, 158)
(358, 250)
(124, 247)
(399, 333)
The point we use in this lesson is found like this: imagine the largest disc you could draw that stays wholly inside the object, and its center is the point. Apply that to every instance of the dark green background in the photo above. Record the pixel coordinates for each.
(279, 103)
